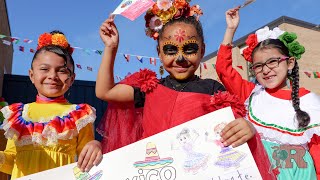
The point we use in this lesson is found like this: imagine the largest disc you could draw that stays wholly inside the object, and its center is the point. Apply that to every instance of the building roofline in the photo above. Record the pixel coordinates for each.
(273, 24)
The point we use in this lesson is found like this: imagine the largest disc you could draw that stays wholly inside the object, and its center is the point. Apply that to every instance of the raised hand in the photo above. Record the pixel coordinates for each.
(233, 18)
(109, 33)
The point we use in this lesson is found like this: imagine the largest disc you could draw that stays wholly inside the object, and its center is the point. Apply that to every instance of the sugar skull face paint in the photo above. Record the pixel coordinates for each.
(180, 35)
(189, 48)
(181, 50)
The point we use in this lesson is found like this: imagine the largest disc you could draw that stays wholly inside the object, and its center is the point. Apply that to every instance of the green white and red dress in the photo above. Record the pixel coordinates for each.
(294, 152)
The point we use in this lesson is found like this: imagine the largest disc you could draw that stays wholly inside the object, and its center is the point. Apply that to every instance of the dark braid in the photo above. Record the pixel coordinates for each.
(302, 117)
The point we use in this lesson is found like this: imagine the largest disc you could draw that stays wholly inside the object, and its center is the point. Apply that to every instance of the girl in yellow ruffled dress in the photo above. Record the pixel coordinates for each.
(50, 132)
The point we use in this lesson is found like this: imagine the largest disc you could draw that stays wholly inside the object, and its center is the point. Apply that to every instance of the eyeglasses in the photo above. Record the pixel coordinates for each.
(270, 63)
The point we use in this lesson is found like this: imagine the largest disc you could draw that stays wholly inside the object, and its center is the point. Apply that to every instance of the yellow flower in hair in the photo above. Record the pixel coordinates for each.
(165, 16)
(60, 40)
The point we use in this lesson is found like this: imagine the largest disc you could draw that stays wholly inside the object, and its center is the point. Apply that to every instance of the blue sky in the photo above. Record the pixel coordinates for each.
(80, 21)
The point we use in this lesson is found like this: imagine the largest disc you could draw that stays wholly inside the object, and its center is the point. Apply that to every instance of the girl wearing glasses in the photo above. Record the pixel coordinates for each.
(142, 105)
(286, 117)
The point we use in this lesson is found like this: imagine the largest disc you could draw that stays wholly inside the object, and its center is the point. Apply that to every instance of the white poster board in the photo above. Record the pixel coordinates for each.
(186, 152)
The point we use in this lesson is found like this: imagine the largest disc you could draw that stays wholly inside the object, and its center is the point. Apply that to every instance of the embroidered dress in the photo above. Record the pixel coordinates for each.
(49, 133)
(164, 108)
(294, 152)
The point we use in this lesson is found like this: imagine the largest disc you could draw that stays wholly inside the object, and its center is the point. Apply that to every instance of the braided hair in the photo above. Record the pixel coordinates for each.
(302, 116)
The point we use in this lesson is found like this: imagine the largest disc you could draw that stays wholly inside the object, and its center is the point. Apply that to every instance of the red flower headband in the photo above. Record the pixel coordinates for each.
(57, 39)
(165, 10)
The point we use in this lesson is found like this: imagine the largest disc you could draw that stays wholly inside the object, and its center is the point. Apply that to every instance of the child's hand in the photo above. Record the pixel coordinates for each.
(90, 155)
(109, 33)
(237, 132)
(233, 18)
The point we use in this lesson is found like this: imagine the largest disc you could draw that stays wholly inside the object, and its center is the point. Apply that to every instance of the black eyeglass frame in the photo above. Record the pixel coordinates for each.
(268, 64)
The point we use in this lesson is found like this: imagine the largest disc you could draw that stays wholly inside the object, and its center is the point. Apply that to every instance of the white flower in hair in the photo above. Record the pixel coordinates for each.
(263, 34)
(276, 32)
(155, 23)
(266, 33)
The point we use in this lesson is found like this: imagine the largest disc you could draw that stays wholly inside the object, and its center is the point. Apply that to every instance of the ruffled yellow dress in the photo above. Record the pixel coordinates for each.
(45, 134)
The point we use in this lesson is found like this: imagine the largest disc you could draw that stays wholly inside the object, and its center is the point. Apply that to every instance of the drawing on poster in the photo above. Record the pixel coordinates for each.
(194, 161)
(79, 175)
(228, 157)
(154, 166)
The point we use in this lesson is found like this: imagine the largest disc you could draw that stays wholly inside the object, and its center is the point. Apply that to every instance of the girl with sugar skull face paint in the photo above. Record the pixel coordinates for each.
(146, 105)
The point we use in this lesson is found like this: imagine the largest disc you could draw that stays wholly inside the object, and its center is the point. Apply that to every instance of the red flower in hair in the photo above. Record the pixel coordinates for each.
(44, 40)
(148, 80)
(252, 42)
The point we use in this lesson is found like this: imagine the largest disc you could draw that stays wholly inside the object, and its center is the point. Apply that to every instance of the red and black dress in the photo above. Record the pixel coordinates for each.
(162, 104)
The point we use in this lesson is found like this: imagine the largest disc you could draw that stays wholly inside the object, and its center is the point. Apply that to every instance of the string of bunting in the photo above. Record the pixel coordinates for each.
(128, 57)
(17, 40)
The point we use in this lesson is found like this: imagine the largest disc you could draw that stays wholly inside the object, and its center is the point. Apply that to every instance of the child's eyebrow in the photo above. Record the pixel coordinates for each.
(190, 37)
(44, 64)
(168, 38)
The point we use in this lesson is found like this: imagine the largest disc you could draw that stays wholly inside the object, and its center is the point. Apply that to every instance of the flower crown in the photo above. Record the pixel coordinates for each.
(57, 39)
(294, 48)
(165, 10)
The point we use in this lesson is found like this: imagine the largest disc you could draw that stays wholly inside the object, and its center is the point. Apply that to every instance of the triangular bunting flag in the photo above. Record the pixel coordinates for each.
(240, 67)
(8, 43)
(15, 40)
(98, 52)
(32, 50)
(140, 58)
(21, 48)
(153, 61)
(89, 68)
(2, 36)
(316, 74)
(204, 65)
(308, 74)
(214, 66)
(87, 51)
(127, 57)
(27, 41)
(79, 66)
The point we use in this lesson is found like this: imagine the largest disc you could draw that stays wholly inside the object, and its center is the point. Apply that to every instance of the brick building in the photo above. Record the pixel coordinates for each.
(308, 35)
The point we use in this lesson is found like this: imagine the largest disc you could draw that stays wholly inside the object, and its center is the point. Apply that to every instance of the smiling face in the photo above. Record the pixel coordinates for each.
(272, 78)
(180, 50)
(50, 76)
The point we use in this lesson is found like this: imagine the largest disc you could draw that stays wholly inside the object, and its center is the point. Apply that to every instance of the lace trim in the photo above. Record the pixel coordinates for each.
(49, 135)
(82, 122)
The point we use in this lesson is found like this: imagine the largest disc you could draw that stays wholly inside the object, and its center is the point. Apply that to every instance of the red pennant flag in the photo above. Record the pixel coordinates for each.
(79, 66)
(32, 50)
(153, 61)
(15, 40)
(21, 48)
(89, 68)
(308, 74)
(27, 41)
(240, 67)
(204, 65)
(127, 56)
